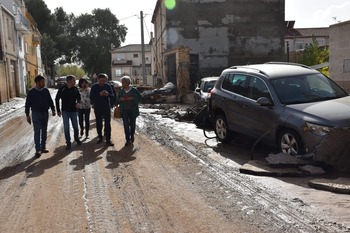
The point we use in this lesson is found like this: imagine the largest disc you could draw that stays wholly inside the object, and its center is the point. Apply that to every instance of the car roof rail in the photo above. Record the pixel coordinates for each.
(289, 63)
(248, 67)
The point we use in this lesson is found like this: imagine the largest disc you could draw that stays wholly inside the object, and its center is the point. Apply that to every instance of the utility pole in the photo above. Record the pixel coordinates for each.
(144, 78)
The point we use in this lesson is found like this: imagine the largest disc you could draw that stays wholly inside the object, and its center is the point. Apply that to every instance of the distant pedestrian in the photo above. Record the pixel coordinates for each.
(85, 107)
(39, 101)
(128, 100)
(102, 100)
(70, 97)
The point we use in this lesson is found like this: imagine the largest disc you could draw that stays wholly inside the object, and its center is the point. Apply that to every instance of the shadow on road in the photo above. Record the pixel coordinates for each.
(38, 168)
(91, 152)
(124, 155)
(8, 172)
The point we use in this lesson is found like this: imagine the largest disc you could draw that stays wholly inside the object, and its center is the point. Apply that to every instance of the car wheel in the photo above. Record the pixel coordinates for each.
(290, 143)
(221, 129)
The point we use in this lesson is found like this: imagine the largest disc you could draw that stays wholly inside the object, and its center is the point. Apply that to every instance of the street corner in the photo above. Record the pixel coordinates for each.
(339, 185)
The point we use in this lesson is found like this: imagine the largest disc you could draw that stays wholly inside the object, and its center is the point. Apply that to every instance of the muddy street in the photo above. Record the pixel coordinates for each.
(169, 180)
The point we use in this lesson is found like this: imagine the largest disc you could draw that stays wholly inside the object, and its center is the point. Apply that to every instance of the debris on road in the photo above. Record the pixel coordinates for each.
(339, 185)
(285, 160)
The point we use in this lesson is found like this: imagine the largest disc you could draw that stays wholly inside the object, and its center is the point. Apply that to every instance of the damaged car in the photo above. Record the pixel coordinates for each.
(290, 106)
(158, 95)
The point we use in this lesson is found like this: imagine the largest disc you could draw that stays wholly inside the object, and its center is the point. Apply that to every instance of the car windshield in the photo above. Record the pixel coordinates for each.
(208, 85)
(306, 89)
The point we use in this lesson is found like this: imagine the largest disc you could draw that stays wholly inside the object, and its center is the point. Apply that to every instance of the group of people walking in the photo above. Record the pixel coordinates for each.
(74, 105)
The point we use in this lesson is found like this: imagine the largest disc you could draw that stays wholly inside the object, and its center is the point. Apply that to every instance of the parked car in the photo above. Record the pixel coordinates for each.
(290, 106)
(61, 81)
(201, 91)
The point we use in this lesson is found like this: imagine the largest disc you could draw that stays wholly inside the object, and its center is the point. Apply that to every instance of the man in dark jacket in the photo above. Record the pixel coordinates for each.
(102, 99)
(70, 96)
(39, 101)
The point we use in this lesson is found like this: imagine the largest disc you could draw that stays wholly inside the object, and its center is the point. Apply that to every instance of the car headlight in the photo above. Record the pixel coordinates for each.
(319, 130)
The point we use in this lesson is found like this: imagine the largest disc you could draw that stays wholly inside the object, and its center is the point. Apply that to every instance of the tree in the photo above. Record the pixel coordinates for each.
(55, 30)
(314, 55)
(93, 35)
(70, 70)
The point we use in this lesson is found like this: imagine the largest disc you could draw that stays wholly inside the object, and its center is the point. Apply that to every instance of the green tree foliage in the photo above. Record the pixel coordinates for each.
(63, 70)
(86, 39)
(93, 35)
(41, 13)
(314, 55)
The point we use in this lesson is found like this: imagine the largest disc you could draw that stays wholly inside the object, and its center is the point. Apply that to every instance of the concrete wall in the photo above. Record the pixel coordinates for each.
(227, 32)
(339, 54)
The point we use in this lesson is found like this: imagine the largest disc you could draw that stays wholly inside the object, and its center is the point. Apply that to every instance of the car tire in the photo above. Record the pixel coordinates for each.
(289, 142)
(223, 133)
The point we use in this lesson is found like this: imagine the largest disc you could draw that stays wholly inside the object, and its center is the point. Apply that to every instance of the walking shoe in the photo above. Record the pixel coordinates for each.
(37, 154)
(99, 140)
(69, 146)
(109, 143)
(78, 142)
(127, 143)
(44, 151)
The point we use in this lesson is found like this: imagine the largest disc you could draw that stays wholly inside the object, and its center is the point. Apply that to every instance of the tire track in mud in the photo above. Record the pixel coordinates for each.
(255, 202)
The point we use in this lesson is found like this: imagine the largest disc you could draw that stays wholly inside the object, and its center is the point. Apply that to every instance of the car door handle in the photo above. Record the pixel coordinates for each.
(245, 106)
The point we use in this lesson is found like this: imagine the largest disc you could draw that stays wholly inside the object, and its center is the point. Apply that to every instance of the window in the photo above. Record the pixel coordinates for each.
(26, 48)
(299, 44)
(20, 43)
(8, 29)
(236, 83)
(258, 89)
(118, 72)
(136, 55)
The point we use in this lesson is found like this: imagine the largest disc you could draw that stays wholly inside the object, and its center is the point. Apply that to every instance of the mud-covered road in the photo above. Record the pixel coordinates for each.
(168, 181)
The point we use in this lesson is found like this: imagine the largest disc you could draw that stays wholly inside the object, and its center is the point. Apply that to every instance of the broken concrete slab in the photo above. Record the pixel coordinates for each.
(312, 170)
(286, 160)
(261, 168)
(334, 150)
(339, 185)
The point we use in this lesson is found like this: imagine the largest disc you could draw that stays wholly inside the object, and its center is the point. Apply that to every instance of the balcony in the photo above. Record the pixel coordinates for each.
(122, 62)
(36, 39)
(22, 24)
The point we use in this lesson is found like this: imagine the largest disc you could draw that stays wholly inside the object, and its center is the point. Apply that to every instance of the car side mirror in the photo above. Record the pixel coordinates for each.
(263, 101)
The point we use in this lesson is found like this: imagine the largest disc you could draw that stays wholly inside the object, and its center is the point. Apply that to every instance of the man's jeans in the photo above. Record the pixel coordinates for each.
(40, 120)
(129, 122)
(73, 116)
(100, 115)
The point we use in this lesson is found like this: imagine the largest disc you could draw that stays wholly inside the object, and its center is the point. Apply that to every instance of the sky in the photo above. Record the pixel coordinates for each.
(306, 13)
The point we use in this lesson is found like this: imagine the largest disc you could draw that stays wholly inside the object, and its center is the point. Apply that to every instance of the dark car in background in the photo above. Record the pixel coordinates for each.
(202, 89)
(61, 81)
(290, 106)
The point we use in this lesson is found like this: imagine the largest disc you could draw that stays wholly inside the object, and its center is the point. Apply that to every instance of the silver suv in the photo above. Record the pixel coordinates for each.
(290, 106)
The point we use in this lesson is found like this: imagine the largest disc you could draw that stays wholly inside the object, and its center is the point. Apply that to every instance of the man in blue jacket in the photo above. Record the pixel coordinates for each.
(39, 101)
(70, 96)
(102, 99)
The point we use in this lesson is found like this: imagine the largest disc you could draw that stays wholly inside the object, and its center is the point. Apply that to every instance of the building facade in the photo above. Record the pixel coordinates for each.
(127, 60)
(9, 87)
(297, 38)
(217, 34)
(339, 54)
(20, 59)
